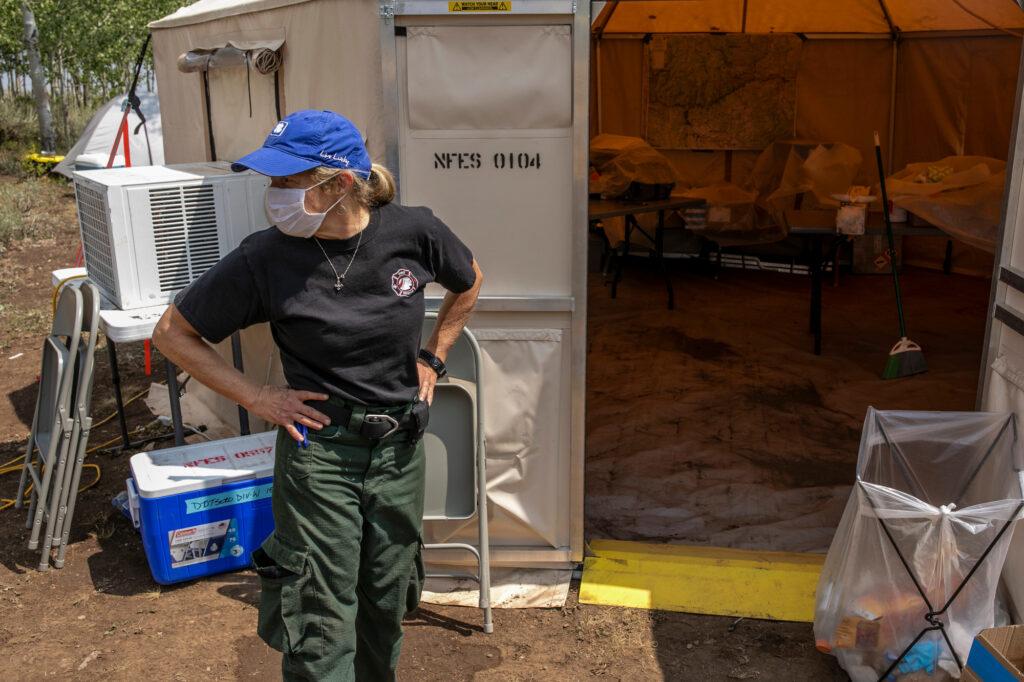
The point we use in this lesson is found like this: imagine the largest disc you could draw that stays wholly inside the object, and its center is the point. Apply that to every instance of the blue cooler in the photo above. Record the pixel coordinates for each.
(203, 508)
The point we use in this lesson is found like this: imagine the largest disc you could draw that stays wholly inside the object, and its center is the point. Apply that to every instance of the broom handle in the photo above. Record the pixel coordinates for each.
(888, 232)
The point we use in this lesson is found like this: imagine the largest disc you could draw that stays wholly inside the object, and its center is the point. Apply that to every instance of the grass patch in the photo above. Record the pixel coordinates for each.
(33, 208)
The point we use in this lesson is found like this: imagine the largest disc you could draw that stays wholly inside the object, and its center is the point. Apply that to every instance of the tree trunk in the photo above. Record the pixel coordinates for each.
(35, 66)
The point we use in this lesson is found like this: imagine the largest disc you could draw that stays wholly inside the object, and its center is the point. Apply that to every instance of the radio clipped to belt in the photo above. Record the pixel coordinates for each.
(420, 414)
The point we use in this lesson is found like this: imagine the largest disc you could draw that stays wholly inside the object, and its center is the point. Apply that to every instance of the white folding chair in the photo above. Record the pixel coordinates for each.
(52, 424)
(82, 416)
(456, 480)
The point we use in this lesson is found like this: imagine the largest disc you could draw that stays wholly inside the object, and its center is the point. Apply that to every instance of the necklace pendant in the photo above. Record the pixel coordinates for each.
(338, 284)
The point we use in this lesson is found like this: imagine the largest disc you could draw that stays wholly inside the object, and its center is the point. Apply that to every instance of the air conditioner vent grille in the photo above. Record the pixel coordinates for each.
(94, 218)
(184, 233)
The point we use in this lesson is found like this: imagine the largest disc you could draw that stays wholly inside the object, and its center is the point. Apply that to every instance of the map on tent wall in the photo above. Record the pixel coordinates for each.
(722, 92)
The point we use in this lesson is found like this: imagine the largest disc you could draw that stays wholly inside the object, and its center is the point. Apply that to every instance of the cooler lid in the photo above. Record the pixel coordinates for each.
(171, 471)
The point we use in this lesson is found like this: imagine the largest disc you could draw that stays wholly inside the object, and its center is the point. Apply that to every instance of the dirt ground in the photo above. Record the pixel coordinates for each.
(103, 617)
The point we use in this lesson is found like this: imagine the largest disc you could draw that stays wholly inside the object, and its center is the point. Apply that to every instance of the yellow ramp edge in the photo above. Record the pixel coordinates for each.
(707, 580)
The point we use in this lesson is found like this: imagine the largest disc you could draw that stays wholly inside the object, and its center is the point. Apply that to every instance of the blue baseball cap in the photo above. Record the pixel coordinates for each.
(307, 139)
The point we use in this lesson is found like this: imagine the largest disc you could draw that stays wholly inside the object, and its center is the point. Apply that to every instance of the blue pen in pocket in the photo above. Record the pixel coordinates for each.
(304, 432)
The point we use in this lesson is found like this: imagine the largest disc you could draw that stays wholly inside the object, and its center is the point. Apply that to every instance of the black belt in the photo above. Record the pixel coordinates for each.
(376, 423)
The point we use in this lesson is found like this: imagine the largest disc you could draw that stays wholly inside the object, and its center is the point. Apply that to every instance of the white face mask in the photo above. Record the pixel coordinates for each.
(286, 208)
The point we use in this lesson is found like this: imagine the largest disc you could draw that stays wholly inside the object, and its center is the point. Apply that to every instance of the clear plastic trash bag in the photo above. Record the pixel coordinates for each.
(921, 544)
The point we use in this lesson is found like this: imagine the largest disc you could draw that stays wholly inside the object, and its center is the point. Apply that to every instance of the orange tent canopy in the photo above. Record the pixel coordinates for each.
(807, 16)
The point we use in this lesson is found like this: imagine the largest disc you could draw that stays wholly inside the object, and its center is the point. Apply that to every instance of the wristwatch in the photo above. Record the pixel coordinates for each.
(433, 362)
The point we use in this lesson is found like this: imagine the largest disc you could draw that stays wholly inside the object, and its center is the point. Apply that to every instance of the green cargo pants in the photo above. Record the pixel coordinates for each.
(344, 562)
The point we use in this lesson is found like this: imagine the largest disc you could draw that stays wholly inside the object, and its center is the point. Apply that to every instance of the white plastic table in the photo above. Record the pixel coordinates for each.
(125, 326)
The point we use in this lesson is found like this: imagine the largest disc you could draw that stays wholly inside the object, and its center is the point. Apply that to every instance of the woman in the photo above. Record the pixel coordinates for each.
(340, 280)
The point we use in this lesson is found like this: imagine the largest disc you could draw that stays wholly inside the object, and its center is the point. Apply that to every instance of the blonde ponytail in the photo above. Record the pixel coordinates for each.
(376, 190)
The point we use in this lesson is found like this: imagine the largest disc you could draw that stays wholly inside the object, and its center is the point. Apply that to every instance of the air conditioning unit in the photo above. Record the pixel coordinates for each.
(148, 231)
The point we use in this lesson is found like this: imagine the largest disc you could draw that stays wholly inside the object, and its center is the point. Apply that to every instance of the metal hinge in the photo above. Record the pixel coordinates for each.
(387, 11)
(574, 6)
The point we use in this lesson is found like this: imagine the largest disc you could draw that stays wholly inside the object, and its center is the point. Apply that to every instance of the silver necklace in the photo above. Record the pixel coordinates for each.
(339, 282)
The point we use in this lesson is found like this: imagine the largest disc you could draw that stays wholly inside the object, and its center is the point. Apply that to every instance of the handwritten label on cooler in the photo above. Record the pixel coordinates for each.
(241, 496)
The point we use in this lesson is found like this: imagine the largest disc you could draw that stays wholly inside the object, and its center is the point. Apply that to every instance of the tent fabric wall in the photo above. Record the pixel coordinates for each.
(844, 92)
(230, 94)
(830, 73)
(321, 38)
(620, 63)
(955, 96)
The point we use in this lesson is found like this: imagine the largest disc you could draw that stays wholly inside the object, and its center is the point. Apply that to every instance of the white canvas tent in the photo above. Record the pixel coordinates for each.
(92, 150)
(930, 74)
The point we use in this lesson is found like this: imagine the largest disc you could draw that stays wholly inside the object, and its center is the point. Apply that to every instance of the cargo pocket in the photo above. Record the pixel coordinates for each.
(296, 459)
(289, 613)
(416, 580)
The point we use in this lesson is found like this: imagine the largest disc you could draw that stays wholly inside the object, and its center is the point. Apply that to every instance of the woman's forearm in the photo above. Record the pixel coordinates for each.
(452, 317)
(174, 338)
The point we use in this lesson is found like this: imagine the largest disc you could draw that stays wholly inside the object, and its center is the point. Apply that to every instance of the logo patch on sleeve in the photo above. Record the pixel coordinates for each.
(404, 283)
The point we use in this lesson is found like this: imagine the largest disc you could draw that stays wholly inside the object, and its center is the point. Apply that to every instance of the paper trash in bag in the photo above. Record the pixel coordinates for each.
(936, 495)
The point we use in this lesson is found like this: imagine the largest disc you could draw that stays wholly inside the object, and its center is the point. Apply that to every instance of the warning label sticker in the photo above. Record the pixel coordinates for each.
(481, 6)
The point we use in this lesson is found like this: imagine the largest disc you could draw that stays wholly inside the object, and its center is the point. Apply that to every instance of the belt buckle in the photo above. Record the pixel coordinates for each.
(383, 419)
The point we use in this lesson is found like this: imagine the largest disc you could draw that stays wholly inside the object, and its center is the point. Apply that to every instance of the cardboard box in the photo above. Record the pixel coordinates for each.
(997, 655)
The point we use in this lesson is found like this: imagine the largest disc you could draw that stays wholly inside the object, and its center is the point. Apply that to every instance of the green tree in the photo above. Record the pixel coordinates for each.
(87, 47)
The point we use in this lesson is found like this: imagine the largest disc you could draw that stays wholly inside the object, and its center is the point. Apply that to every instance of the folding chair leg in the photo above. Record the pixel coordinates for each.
(40, 497)
(23, 483)
(63, 485)
(31, 514)
(55, 493)
(76, 479)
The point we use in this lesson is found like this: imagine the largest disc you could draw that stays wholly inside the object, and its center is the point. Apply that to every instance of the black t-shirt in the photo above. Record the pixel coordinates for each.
(358, 344)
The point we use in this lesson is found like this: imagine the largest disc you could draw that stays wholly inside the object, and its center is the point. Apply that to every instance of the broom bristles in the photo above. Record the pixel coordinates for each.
(905, 359)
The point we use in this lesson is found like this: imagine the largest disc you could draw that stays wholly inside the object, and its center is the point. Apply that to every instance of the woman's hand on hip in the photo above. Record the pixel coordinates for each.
(283, 406)
(428, 377)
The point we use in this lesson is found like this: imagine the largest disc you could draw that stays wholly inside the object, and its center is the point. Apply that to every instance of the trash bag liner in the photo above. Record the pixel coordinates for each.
(921, 545)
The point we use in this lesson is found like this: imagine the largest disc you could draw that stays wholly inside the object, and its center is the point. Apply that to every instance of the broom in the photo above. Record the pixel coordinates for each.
(905, 358)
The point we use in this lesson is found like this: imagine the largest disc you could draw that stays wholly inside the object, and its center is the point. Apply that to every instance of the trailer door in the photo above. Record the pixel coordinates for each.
(488, 110)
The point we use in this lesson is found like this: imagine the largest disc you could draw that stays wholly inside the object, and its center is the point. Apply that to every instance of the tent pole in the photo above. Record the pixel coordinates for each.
(888, 17)
(604, 17)
(645, 77)
(597, 84)
(891, 146)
